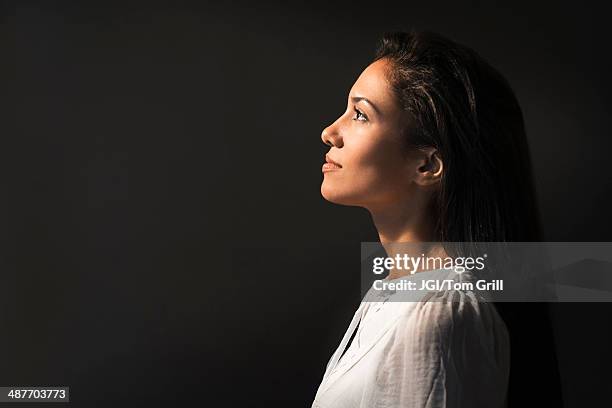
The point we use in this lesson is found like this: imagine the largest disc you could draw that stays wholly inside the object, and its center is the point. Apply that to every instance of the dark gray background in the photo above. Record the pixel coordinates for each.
(162, 187)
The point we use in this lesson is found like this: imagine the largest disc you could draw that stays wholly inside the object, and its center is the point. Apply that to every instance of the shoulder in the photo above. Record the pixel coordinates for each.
(449, 350)
(451, 318)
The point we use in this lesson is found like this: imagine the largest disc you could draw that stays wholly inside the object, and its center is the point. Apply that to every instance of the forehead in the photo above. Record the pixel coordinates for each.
(373, 84)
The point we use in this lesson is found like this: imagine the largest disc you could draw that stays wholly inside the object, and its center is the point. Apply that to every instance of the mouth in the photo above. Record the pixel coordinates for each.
(328, 160)
(330, 165)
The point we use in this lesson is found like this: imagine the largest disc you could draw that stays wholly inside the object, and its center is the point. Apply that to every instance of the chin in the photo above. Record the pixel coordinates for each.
(334, 196)
(330, 194)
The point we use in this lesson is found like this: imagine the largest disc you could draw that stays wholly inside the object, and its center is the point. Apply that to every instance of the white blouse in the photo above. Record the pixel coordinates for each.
(447, 349)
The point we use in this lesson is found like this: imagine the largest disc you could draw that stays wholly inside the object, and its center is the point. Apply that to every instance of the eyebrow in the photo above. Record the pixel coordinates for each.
(356, 99)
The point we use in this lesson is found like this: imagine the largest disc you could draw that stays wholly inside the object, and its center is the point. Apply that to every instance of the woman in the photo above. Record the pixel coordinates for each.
(433, 145)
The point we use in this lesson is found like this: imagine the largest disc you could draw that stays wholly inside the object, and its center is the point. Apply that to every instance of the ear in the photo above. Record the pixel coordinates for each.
(429, 167)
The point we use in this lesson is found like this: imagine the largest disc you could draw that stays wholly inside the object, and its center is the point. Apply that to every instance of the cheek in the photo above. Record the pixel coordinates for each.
(370, 172)
(380, 162)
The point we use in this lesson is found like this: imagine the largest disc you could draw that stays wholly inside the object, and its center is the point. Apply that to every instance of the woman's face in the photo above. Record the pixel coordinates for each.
(366, 142)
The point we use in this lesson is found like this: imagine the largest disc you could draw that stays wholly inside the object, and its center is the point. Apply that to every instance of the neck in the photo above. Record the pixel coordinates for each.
(404, 221)
(410, 224)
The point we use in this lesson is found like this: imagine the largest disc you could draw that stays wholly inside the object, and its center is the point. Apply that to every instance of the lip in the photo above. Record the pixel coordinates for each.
(330, 165)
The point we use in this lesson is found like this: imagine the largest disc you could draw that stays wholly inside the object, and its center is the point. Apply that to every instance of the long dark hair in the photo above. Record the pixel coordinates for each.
(466, 109)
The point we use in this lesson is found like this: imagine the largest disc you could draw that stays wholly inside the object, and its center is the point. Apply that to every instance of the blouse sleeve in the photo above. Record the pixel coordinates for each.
(450, 351)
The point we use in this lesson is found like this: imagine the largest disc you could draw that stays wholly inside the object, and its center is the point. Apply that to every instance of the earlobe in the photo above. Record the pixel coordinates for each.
(438, 167)
(430, 172)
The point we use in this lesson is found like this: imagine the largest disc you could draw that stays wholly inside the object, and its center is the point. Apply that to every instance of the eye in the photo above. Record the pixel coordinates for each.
(357, 113)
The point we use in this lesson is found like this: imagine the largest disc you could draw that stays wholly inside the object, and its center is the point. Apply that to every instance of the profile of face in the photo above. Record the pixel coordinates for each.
(368, 164)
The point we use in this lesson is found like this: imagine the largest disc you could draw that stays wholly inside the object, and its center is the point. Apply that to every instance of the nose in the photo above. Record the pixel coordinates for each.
(330, 136)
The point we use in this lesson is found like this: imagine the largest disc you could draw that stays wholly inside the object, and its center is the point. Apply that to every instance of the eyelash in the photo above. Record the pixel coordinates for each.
(357, 111)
